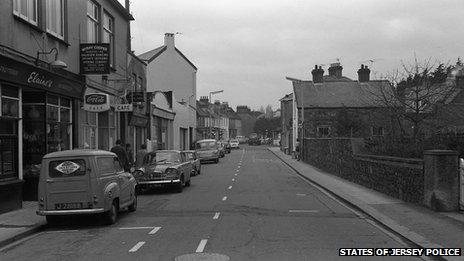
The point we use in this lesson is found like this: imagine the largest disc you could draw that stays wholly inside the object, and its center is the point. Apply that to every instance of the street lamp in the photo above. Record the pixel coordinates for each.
(56, 64)
(210, 94)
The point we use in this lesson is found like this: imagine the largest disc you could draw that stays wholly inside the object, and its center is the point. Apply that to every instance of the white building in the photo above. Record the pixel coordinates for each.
(169, 70)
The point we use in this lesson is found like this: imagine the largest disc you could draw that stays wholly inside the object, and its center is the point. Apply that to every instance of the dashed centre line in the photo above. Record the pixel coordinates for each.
(224, 198)
(230, 187)
(233, 179)
(216, 216)
(201, 246)
(303, 211)
(154, 230)
(137, 246)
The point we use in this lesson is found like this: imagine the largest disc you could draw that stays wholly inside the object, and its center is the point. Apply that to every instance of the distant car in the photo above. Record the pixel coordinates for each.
(234, 143)
(77, 182)
(227, 147)
(164, 168)
(207, 150)
(194, 160)
(241, 139)
(254, 139)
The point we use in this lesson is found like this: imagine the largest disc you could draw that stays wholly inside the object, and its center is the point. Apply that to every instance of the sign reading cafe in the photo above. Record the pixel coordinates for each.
(96, 102)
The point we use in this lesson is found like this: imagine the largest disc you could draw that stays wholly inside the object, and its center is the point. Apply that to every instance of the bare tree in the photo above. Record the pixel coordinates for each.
(412, 95)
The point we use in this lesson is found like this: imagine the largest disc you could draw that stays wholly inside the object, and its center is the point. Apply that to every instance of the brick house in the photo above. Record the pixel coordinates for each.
(337, 106)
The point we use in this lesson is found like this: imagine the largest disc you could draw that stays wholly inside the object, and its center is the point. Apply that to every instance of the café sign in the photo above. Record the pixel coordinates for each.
(96, 102)
(123, 107)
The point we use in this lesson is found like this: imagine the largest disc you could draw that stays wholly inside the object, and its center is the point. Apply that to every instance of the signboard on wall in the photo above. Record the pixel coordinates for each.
(96, 102)
(135, 97)
(123, 107)
(94, 58)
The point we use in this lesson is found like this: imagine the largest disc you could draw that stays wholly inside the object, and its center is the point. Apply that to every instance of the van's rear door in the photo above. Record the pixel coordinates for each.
(68, 184)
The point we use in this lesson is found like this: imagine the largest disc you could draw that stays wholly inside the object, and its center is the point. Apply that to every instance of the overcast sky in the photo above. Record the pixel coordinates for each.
(247, 47)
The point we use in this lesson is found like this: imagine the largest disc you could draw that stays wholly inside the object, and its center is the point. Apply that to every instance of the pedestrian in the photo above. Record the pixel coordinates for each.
(297, 150)
(139, 157)
(122, 155)
(130, 154)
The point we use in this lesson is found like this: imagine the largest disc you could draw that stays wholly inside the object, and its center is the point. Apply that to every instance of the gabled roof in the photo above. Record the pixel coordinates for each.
(287, 97)
(151, 55)
(336, 94)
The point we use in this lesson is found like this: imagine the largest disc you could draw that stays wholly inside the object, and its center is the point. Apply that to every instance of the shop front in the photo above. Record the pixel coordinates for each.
(36, 118)
(162, 118)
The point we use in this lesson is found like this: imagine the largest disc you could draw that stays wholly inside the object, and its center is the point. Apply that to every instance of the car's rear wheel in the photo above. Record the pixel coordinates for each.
(133, 206)
(111, 216)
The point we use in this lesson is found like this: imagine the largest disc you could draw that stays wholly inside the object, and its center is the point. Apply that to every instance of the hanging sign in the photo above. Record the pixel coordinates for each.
(123, 107)
(95, 58)
(96, 102)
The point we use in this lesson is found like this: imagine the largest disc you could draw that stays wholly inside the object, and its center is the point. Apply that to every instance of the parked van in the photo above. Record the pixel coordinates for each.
(77, 182)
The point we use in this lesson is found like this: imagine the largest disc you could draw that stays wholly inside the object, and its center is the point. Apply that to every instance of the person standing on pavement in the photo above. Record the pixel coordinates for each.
(122, 155)
(130, 155)
(141, 153)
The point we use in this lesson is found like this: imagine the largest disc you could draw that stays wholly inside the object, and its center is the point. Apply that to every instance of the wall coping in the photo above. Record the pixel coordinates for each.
(441, 152)
(389, 160)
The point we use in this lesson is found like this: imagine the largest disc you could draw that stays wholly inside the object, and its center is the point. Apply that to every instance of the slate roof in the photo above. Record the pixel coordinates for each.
(344, 93)
(151, 55)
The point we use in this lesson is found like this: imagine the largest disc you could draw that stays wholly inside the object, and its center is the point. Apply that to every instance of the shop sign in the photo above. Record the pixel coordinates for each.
(123, 107)
(38, 78)
(135, 97)
(96, 102)
(95, 58)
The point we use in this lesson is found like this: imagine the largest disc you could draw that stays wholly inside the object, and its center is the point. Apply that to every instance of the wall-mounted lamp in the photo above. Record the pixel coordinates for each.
(56, 64)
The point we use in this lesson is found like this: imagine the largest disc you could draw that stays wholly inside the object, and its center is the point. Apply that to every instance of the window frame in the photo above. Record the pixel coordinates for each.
(111, 32)
(95, 20)
(319, 132)
(17, 11)
(63, 18)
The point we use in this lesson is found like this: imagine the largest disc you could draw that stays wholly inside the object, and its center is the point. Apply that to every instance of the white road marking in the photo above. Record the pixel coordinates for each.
(300, 194)
(230, 187)
(303, 211)
(201, 246)
(216, 216)
(137, 246)
(237, 170)
(235, 174)
(238, 166)
(233, 179)
(224, 198)
(61, 231)
(126, 228)
(153, 231)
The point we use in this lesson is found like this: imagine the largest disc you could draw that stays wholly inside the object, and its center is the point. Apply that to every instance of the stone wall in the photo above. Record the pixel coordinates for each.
(397, 177)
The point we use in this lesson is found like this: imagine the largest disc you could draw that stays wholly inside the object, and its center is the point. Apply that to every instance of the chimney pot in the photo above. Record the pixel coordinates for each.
(364, 74)
(335, 70)
(318, 74)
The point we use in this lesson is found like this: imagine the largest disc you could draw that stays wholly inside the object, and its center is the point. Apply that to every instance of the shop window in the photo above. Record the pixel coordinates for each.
(106, 129)
(8, 156)
(26, 10)
(58, 127)
(9, 100)
(56, 17)
(88, 129)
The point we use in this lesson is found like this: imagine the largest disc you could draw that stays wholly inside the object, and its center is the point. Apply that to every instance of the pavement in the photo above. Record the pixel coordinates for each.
(17, 224)
(418, 225)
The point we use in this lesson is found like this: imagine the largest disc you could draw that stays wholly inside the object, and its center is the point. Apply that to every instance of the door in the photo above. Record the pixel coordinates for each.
(68, 183)
(111, 171)
(125, 182)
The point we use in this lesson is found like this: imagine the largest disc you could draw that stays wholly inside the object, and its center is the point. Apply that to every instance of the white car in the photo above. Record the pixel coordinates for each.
(234, 144)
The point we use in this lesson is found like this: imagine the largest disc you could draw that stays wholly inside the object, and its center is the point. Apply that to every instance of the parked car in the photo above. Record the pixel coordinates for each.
(234, 144)
(164, 168)
(253, 139)
(222, 150)
(207, 150)
(194, 160)
(226, 146)
(75, 182)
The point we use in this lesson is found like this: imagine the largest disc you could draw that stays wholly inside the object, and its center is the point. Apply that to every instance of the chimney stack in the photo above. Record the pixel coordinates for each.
(364, 74)
(169, 40)
(335, 70)
(318, 74)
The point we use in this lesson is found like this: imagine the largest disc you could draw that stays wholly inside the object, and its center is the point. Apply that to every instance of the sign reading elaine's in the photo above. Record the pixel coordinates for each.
(35, 77)
(95, 58)
(96, 102)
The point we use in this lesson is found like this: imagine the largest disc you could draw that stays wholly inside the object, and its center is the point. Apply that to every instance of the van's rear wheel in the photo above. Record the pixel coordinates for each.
(111, 216)
(53, 220)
